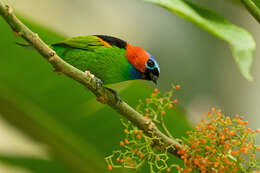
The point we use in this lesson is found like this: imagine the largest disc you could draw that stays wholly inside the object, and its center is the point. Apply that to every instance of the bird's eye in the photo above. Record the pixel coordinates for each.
(150, 63)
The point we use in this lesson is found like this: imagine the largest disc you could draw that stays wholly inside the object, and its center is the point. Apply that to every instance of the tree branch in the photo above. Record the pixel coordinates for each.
(102, 94)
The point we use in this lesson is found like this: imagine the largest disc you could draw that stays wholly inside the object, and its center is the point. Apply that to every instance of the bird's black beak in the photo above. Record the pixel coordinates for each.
(152, 75)
(153, 78)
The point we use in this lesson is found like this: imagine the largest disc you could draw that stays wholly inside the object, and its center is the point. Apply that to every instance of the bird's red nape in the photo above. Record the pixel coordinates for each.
(137, 57)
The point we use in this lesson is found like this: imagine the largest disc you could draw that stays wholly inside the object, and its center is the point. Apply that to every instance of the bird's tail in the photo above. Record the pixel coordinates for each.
(28, 46)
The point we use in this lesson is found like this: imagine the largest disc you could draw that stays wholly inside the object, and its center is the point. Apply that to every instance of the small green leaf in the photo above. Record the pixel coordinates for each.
(241, 42)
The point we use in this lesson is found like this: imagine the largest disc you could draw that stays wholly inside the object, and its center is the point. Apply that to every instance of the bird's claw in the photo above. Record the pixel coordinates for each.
(117, 97)
(98, 81)
(99, 84)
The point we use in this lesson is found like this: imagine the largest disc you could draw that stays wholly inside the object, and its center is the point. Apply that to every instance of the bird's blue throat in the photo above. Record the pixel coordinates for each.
(135, 74)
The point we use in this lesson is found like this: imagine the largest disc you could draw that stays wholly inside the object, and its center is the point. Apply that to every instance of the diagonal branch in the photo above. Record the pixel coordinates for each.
(87, 80)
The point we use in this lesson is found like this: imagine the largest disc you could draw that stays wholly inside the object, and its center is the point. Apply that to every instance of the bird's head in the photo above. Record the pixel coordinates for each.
(143, 62)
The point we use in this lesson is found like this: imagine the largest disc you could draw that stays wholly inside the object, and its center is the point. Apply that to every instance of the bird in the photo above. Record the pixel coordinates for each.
(110, 59)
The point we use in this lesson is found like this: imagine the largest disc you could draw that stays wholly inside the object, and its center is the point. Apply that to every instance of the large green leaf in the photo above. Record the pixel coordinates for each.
(62, 143)
(241, 42)
(34, 165)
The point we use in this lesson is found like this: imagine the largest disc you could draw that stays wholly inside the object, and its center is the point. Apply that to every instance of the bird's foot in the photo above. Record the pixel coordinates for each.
(99, 84)
(98, 81)
(117, 97)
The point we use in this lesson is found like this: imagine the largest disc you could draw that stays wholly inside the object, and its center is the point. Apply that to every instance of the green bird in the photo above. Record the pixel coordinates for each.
(110, 59)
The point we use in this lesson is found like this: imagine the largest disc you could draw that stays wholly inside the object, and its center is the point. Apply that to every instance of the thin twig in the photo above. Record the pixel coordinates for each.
(102, 94)
(252, 8)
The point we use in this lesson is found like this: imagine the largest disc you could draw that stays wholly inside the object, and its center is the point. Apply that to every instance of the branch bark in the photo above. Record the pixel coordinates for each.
(87, 80)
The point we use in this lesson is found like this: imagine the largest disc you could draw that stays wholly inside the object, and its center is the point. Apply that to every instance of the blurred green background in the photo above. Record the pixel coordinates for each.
(50, 123)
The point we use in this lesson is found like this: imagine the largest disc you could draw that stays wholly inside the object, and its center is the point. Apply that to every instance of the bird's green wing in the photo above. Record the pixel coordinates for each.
(108, 63)
(82, 42)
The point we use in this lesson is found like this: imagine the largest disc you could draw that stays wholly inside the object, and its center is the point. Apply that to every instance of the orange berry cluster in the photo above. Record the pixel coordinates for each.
(136, 148)
(220, 144)
(157, 104)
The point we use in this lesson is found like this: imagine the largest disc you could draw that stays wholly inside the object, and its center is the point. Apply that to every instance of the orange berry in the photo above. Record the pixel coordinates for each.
(126, 141)
(128, 159)
(225, 130)
(177, 87)
(152, 95)
(122, 143)
(118, 159)
(252, 156)
(245, 122)
(155, 91)
(226, 146)
(240, 122)
(244, 150)
(196, 162)
(188, 170)
(138, 136)
(126, 131)
(257, 130)
(122, 161)
(213, 109)
(134, 150)
(163, 112)
(132, 164)
(258, 148)
(140, 132)
(207, 147)
(232, 133)
(168, 170)
(158, 158)
(170, 106)
(226, 168)
(135, 131)
(175, 101)
(228, 120)
(178, 167)
(216, 164)
(147, 100)
(109, 167)
(141, 155)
